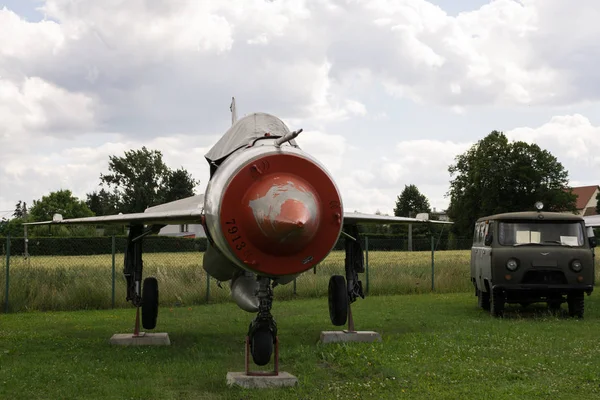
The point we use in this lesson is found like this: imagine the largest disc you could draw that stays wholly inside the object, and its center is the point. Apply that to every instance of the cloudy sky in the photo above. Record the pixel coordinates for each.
(388, 92)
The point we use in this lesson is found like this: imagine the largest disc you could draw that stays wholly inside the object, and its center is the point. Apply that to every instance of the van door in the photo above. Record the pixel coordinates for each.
(474, 272)
(486, 254)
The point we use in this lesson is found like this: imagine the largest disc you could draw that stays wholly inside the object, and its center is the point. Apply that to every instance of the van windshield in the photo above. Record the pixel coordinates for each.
(517, 233)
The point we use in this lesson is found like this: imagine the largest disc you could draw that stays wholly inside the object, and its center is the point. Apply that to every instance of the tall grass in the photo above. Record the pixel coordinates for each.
(85, 282)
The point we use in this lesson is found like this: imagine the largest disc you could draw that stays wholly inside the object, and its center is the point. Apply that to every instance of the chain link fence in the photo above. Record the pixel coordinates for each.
(86, 273)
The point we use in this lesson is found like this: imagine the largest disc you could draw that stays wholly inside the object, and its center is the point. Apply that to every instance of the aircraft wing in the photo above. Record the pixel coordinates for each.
(592, 220)
(360, 218)
(146, 218)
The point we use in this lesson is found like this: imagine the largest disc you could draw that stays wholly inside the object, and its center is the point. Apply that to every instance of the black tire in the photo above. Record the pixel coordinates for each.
(483, 300)
(497, 303)
(261, 346)
(149, 303)
(576, 304)
(338, 300)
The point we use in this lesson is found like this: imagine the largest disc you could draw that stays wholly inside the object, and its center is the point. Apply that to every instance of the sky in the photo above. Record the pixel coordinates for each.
(388, 92)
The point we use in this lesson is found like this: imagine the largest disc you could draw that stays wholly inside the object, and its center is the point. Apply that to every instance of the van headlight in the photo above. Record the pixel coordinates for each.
(576, 266)
(512, 264)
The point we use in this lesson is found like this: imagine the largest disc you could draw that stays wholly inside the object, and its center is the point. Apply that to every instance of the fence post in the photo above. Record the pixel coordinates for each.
(113, 270)
(207, 287)
(7, 272)
(432, 263)
(367, 264)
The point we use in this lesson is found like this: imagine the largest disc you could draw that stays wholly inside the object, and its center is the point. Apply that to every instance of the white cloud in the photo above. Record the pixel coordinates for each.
(572, 139)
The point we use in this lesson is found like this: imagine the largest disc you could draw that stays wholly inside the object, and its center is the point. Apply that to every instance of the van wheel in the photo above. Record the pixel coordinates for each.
(483, 300)
(497, 303)
(576, 304)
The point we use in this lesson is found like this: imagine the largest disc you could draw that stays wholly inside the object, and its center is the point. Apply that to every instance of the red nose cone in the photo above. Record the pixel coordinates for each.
(281, 215)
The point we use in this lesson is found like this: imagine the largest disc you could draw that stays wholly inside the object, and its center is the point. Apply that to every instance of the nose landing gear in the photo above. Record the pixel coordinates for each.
(262, 332)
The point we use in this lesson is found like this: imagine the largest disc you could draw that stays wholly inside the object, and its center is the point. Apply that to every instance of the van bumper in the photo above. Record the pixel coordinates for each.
(552, 289)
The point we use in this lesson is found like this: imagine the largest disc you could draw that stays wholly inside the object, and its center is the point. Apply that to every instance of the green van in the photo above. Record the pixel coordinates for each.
(529, 257)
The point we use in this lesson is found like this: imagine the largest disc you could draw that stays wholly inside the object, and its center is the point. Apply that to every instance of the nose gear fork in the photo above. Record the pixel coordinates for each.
(262, 332)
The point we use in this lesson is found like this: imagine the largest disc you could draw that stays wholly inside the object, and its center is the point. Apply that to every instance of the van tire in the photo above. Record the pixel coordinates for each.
(497, 303)
(483, 300)
(576, 304)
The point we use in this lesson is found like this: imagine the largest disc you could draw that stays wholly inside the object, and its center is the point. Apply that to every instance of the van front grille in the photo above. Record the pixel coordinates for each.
(545, 277)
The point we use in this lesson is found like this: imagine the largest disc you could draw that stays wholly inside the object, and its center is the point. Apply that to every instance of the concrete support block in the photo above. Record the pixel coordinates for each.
(284, 379)
(144, 339)
(346, 336)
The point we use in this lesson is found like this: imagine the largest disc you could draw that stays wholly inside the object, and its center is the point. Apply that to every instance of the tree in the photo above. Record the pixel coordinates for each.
(103, 202)
(180, 184)
(496, 176)
(598, 203)
(12, 227)
(20, 209)
(411, 202)
(139, 180)
(62, 202)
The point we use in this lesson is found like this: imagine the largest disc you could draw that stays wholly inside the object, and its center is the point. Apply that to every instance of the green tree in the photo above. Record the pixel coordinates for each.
(141, 179)
(180, 184)
(411, 202)
(12, 227)
(598, 203)
(61, 202)
(103, 202)
(496, 176)
(20, 209)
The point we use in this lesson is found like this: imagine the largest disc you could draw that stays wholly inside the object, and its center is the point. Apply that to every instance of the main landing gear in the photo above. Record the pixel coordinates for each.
(147, 298)
(262, 332)
(343, 292)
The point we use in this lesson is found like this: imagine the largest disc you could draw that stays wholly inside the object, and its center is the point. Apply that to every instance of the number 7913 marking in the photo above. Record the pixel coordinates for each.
(234, 236)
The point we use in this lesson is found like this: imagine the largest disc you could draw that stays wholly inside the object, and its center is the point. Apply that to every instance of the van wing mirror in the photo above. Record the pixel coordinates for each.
(591, 238)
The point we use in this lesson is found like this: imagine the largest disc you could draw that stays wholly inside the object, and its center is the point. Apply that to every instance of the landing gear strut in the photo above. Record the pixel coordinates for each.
(133, 266)
(342, 293)
(262, 332)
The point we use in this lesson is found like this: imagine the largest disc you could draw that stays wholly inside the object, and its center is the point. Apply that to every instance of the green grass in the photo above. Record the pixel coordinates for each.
(85, 282)
(435, 346)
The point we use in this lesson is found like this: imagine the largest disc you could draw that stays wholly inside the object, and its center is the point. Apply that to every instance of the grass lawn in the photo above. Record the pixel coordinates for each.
(435, 346)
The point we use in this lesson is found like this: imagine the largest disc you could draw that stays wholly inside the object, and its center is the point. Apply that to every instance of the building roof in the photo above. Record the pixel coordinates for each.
(584, 194)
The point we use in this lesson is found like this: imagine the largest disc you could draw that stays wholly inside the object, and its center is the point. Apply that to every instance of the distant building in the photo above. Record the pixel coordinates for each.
(185, 230)
(586, 199)
(440, 215)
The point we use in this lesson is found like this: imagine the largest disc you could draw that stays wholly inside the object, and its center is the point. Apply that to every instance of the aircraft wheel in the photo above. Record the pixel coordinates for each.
(338, 300)
(149, 303)
(576, 304)
(261, 346)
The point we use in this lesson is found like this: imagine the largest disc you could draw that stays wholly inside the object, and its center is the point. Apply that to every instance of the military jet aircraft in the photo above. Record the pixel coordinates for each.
(270, 213)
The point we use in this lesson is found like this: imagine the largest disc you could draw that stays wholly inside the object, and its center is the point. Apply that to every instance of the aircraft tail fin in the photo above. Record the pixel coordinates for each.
(233, 111)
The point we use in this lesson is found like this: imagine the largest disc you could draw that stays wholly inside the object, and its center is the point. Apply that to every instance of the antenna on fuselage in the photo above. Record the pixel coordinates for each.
(233, 111)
